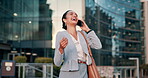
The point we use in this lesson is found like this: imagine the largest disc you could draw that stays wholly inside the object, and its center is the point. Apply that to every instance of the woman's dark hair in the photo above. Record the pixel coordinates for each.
(64, 17)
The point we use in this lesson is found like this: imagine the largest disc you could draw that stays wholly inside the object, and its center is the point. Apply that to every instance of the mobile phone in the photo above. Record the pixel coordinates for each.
(79, 23)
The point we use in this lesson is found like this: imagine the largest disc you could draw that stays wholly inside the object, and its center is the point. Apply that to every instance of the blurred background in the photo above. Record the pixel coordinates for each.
(28, 28)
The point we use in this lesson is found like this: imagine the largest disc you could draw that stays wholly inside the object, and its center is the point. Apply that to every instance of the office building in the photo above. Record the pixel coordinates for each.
(118, 25)
(145, 27)
(26, 29)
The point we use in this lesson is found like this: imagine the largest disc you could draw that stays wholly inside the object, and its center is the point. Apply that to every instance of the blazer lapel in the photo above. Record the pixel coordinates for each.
(70, 41)
(83, 43)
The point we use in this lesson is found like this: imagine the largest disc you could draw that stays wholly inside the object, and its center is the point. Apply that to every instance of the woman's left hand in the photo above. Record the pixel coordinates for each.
(84, 26)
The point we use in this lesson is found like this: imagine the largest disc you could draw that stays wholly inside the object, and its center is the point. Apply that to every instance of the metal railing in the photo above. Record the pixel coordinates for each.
(33, 70)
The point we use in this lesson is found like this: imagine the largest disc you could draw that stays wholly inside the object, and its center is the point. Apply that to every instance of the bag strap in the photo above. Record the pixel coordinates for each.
(89, 50)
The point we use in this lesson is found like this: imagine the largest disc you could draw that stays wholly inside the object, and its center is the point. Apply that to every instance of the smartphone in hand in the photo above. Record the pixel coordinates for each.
(80, 23)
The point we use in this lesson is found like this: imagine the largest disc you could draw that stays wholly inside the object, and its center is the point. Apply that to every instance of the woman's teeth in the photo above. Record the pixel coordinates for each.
(74, 19)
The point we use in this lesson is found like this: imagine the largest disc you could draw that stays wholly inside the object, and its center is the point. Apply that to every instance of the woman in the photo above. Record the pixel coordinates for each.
(71, 48)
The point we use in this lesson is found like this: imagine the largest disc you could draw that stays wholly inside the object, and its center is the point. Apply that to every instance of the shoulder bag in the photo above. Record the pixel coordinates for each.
(91, 69)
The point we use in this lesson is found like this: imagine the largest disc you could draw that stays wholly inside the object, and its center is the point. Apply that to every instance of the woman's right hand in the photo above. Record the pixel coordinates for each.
(63, 44)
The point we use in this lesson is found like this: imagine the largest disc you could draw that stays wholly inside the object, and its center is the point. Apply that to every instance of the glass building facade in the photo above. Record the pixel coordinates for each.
(118, 24)
(26, 26)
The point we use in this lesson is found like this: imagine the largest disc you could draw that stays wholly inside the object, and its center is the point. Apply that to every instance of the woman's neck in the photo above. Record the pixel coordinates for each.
(71, 30)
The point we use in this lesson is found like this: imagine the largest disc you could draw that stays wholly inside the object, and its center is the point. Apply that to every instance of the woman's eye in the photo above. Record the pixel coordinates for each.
(76, 15)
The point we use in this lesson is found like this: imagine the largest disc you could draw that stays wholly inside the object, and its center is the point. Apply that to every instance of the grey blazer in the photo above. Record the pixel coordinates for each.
(70, 57)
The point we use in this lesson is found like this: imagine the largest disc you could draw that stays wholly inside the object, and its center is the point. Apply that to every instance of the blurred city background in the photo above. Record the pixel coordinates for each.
(28, 29)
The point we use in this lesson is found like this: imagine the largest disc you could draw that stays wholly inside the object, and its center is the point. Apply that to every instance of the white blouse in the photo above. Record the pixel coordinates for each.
(81, 54)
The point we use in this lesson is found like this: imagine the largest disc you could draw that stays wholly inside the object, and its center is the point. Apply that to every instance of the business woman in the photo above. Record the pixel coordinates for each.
(71, 48)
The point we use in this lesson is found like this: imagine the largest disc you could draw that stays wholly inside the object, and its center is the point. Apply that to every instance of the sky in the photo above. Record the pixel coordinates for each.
(59, 7)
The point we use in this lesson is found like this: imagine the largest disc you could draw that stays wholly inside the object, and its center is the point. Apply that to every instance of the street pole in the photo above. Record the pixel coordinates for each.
(137, 61)
(137, 67)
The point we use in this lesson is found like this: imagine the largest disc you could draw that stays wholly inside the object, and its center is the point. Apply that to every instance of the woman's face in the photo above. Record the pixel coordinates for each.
(71, 18)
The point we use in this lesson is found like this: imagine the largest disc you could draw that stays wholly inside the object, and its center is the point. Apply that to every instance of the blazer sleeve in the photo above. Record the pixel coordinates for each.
(93, 40)
(58, 57)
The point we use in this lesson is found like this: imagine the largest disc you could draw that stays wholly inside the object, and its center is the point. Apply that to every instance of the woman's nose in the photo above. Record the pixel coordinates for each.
(75, 15)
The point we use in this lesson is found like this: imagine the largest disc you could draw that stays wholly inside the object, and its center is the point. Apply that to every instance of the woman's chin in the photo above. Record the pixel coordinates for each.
(74, 23)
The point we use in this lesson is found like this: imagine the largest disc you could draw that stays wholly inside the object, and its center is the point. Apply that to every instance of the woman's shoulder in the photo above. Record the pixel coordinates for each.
(61, 32)
(81, 31)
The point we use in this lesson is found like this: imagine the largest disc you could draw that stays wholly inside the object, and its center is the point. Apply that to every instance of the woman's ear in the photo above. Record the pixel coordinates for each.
(64, 20)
